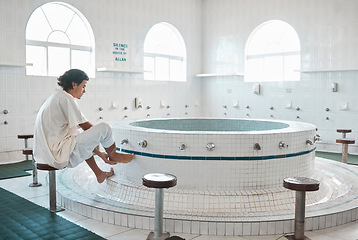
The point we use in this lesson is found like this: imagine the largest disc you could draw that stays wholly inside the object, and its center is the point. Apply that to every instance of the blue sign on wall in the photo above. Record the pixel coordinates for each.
(120, 52)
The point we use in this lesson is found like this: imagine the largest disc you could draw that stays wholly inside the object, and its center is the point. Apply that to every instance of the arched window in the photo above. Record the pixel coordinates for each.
(164, 54)
(273, 53)
(58, 37)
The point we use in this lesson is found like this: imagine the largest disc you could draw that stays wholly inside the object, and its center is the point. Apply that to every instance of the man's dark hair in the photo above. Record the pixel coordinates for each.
(72, 75)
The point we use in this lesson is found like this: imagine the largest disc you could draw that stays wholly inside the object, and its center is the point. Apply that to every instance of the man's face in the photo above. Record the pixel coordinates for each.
(79, 90)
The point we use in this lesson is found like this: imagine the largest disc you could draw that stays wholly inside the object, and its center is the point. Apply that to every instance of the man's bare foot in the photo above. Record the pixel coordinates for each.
(104, 175)
(120, 157)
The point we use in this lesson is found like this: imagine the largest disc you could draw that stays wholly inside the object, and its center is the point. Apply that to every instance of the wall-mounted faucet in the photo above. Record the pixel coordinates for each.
(309, 142)
(282, 145)
(100, 109)
(247, 106)
(257, 146)
(143, 143)
(298, 109)
(317, 138)
(225, 106)
(210, 146)
(124, 141)
(5, 111)
(126, 108)
(138, 102)
(182, 146)
(271, 108)
(327, 109)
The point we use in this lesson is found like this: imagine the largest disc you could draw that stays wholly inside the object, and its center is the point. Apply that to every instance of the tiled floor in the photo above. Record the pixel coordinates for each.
(39, 196)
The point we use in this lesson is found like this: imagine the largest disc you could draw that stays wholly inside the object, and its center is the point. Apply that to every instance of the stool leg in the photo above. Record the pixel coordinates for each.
(35, 182)
(158, 215)
(300, 215)
(27, 157)
(345, 153)
(52, 192)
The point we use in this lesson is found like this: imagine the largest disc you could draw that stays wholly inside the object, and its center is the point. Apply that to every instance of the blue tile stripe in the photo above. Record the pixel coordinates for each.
(144, 154)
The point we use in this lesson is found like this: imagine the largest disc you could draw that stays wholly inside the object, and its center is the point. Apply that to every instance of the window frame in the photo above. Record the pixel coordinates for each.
(71, 47)
(264, 57)
(154, 58)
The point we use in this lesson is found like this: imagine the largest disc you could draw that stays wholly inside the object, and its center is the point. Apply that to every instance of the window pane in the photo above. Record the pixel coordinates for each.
(58, 60)
(273, 69)
(58, 37)
(58, 15)
(149, 68)
(290, 41)
(78, 32)
(163, 39)
(81, 60)
(37, 57)
(176, 73)
(254, 70)
(37, 27)
(161, 68)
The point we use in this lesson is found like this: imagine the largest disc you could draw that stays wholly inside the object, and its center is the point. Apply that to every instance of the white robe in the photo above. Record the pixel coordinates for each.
(57, 124)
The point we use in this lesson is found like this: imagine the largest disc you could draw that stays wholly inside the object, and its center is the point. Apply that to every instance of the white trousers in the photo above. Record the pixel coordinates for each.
(88, 140)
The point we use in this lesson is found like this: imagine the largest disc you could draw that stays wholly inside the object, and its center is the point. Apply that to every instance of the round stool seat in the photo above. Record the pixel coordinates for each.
(301, 184)
(344, 130)
(27, 151)
(26, 136)
(159, 180)
(345, 141)
(43, 166)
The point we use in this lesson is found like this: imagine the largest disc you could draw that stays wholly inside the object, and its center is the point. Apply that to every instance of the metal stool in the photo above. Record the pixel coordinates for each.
(35, 183)
(26, 137)
(300, 185)
(345, 142)
(159, 181)
(52, 186)
(344, 132)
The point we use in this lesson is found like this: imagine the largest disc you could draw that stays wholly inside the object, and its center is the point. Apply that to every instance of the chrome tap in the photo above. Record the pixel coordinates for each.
(143, 143)
(257, 146)
(210, 146)
(182, 146)
(282, 145)
(317, 138)
(309, 142)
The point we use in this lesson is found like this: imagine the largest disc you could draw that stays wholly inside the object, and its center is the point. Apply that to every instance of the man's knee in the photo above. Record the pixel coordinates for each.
(104, 125)
(106, 129)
